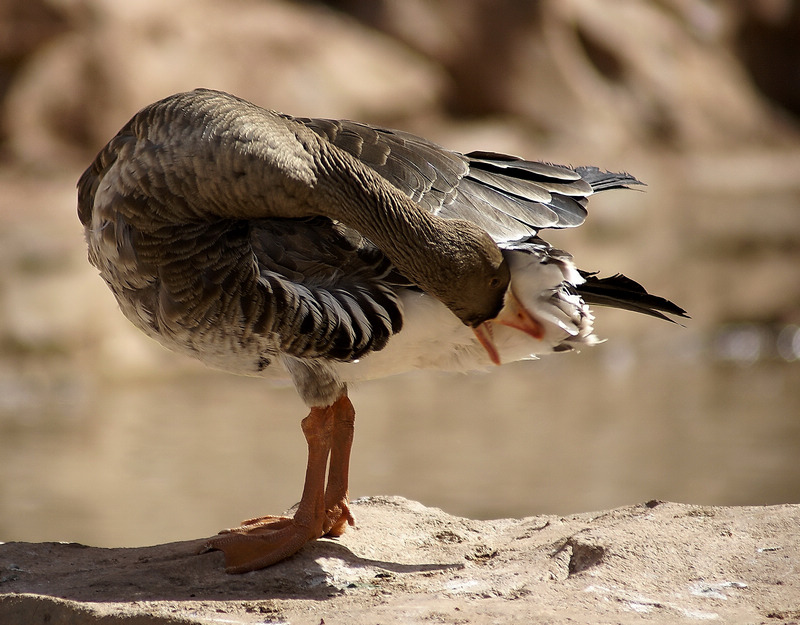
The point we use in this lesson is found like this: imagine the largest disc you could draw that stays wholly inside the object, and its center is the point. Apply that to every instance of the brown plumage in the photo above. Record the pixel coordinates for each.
(334, 251)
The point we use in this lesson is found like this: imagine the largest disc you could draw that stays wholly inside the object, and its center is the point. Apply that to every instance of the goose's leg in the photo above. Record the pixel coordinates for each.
(337, 509)
(258, 543)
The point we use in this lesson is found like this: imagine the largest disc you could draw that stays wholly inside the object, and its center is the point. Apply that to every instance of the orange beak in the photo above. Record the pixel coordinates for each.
(514, 315)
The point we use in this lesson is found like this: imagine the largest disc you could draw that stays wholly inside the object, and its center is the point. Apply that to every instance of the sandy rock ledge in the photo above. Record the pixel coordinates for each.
(657, 562)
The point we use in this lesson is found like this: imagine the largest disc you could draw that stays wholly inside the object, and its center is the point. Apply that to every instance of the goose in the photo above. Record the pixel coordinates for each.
(330, 252)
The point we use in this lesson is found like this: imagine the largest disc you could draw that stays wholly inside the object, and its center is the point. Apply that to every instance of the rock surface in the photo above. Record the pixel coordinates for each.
(660, 562)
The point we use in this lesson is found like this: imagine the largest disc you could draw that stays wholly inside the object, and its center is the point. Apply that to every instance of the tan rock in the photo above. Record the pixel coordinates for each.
(664, 562)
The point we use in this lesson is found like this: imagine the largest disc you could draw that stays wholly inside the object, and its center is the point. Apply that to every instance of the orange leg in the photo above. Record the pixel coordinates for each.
(263, 541)
(337, 509)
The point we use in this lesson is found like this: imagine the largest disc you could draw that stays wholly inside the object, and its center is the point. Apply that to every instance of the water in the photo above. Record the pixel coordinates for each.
(160, 458)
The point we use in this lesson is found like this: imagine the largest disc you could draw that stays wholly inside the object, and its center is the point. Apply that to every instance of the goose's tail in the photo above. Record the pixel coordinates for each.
(619, 291)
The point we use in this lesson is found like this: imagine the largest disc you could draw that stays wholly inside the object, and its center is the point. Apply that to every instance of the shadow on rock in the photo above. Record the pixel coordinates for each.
(176, 571)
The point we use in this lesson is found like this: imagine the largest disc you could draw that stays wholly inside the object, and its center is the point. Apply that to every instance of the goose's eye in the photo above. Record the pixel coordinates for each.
(494, 282)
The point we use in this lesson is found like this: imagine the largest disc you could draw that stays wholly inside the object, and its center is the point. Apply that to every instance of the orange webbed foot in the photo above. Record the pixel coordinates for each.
(323, 509)
(264, 541)
(259, 543)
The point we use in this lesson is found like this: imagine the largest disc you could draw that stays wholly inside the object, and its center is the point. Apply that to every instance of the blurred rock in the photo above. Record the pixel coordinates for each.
(768, 42)
(596, 73)
(662, 74)
(24, 27)
(74, 94)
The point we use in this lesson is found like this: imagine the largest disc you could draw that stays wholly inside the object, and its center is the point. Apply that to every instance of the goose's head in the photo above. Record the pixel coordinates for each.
(479, 293)
(479, 290)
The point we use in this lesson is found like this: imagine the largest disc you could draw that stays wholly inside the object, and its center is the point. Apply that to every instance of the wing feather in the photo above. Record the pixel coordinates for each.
(510, 198)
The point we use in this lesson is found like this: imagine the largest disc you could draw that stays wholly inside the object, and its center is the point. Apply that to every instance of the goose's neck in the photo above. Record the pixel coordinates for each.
(432, 251)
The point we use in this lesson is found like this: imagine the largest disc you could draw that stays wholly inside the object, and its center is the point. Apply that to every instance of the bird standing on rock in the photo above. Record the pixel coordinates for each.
(334, 251)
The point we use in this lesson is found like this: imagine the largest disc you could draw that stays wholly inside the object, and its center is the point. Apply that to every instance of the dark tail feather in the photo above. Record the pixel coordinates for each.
(619, 291)
(601, 180)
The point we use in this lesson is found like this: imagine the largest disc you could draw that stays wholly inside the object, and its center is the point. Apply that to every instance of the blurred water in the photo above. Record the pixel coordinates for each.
(157, 459)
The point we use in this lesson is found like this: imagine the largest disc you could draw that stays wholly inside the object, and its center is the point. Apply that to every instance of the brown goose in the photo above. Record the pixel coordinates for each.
(334, 251)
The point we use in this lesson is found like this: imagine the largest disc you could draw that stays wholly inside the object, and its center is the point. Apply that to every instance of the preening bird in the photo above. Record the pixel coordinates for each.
(333, 251)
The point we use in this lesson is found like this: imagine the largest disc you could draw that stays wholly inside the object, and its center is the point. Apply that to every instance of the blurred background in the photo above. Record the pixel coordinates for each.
(106, 438)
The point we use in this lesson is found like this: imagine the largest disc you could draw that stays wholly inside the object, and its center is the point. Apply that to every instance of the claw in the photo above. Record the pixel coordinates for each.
(344, 519)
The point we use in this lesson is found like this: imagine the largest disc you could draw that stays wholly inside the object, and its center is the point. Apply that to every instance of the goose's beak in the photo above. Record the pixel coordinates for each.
(514, 315)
